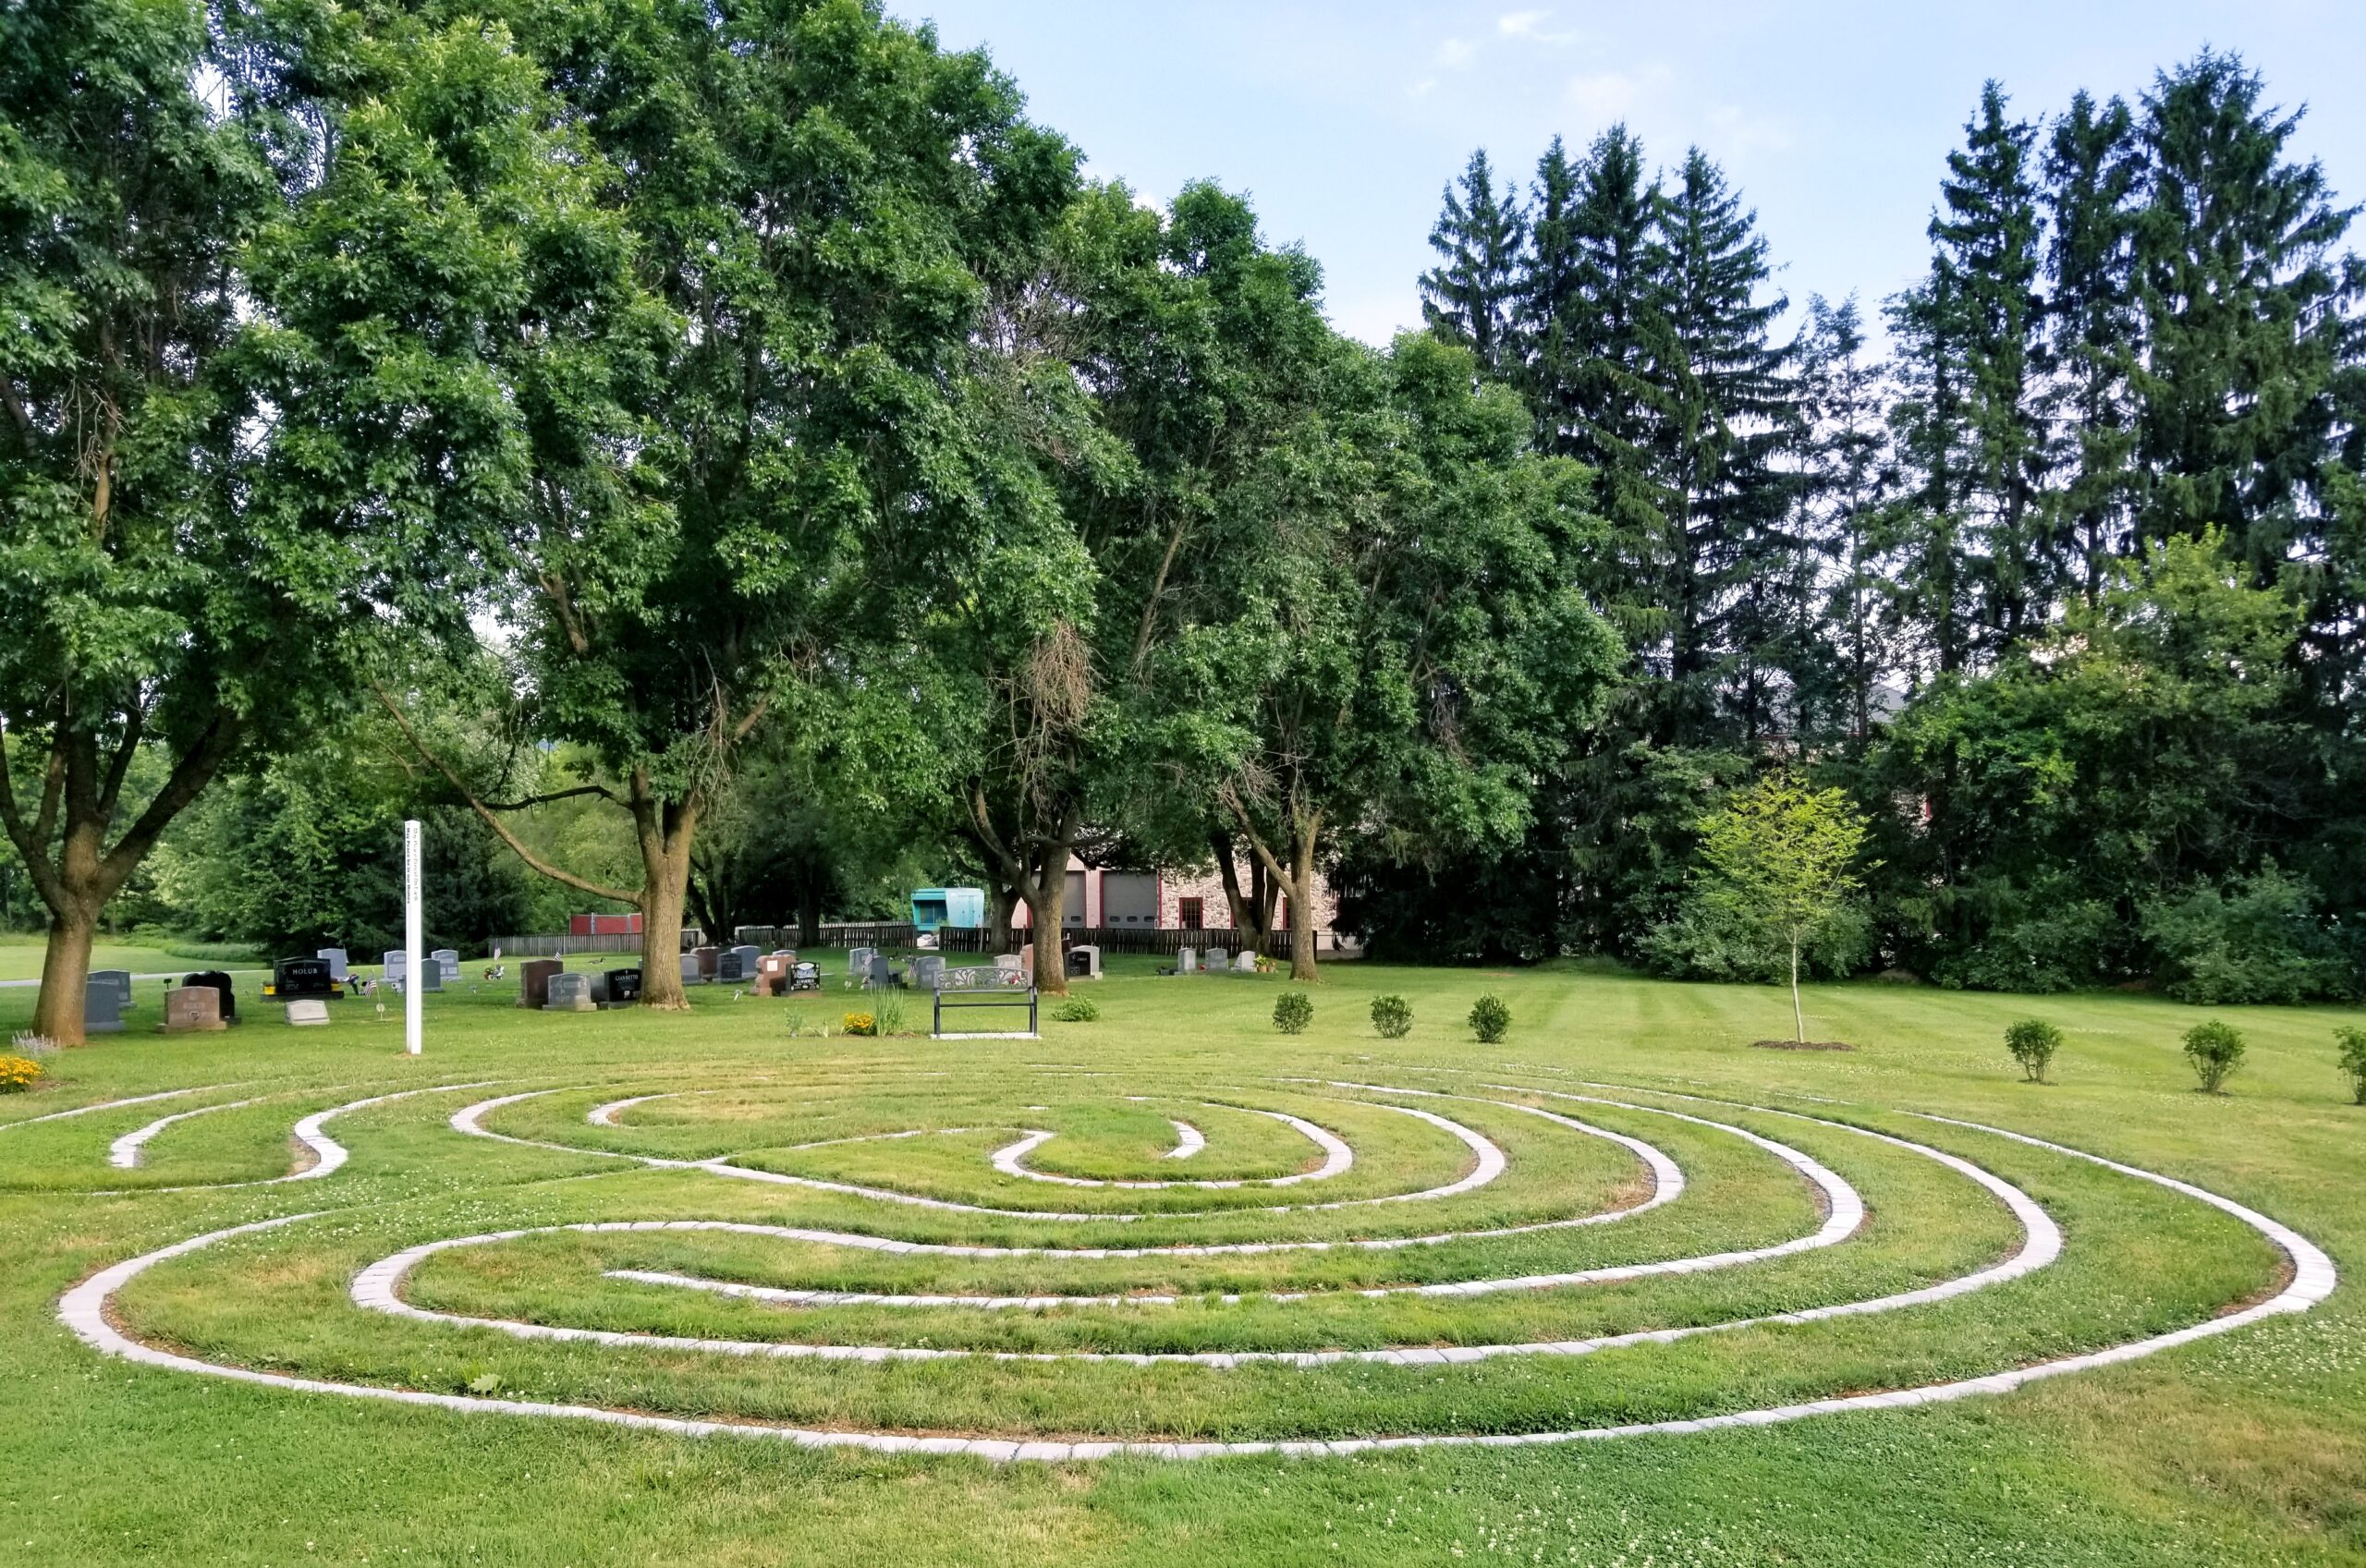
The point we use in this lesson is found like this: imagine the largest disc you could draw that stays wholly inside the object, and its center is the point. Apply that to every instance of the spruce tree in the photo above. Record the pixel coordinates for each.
(2092, 172)
(1985, 242)
(2248, 320)
(1472, 298)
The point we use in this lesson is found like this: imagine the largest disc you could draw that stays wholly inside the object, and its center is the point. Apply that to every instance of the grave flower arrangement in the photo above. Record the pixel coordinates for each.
(17, 1074)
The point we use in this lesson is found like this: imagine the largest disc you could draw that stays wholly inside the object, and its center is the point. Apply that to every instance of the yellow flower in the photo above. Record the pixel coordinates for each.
(17, 1072)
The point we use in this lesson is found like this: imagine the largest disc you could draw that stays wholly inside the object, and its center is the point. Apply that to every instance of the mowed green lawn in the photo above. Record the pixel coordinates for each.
(2246, 1448)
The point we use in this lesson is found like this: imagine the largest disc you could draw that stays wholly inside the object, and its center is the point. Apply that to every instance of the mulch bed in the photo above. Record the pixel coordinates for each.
(1800, 1045)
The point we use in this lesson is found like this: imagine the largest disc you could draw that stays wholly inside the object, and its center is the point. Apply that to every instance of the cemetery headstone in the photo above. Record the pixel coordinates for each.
(340, 966)
(691, 974)
(1009, 963)
(928, 972)
(398, 967)
(1217, 958)
(774, 972)
(102, 1007)
(709, 961)
(217, 980)
(859, 963)
(1245, 963)
(1026, 963)
(624, 987)
(309, 1012)
(570, 993)
(739, 964)
(431, 975)
(191, 1008)
(534, 980)
(1187, 960)
(598, 979)
(447, 960)
(119, 981)
(301, 979)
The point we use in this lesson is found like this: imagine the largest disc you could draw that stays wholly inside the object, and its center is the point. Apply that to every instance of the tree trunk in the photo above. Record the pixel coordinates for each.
(1252, 912)
(808, 916)
(1000, 901)
(1798, 1018)
(666, 830)
(65, 976)
(1302, 910)
(1047, 897)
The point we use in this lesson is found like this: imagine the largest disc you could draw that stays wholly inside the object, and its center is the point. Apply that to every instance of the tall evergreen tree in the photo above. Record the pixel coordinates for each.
(2248, 320)
(1727, 407)
(2092, 172)
(1986, 245)
(1841, 460)
(1472, 298)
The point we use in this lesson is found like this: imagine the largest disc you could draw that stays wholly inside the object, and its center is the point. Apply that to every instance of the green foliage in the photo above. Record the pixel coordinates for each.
(2216, 1049)
(1491, 1019)
(2034, 1043)
(1391, 1016)
(1293, 1011)
(2255, 942)
(2350, 1040)
(1078, 1010)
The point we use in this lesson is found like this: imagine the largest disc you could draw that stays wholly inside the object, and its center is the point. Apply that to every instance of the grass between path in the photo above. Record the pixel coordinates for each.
(2249, 1449)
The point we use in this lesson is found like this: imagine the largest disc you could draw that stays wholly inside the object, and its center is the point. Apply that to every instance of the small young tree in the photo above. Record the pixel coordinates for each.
(1781, 860)
(1491, 1019)
(2032, 1043)
(2216, 1049)
(2352, 1041)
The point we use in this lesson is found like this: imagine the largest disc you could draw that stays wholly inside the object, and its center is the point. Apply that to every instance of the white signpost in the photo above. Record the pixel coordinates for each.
(414, 941)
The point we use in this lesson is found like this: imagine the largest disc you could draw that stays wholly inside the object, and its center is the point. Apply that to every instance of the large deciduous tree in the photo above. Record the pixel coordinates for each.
(779, 448)
(192, 559)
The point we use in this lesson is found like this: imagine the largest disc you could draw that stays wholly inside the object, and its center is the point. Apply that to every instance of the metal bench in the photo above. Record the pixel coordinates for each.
(959, 1000)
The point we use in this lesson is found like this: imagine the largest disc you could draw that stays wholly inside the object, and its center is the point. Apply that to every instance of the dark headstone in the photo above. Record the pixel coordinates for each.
(301, 979)
(218, 979)
(709, 961)
(534, 980)
(598, 979)
(431, 976)
(624, 987)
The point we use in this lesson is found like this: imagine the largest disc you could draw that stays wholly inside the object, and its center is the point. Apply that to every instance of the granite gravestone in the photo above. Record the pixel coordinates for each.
(447, 965)
(928, 972)
(340, 966)
(570, 993)
(598, 980)
(709, 961)
(119, 980)
(189, 1009)
(1245, 963)
(1187, 960)
(624, 987)
(309, 1013)
(102, 1007)
(218, 980)
(397, 967)
(431, 976)
(301, 979)
(691, 974)
(534, 980)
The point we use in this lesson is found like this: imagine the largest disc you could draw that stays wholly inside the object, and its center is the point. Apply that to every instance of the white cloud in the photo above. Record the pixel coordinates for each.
(1610, 95)
(1739, 130)
(1529, 25)
(1456, 54)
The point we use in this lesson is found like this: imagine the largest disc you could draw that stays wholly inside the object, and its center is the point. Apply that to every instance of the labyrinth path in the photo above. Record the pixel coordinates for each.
(1043, 1264)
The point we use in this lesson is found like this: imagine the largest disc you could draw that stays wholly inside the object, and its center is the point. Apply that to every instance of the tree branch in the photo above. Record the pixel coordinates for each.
(31, 847)
(500, 827)
(603, 791)
(195, 770)
(120, 764)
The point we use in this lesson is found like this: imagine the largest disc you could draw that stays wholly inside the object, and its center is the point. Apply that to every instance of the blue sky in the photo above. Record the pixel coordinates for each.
(1344, 120)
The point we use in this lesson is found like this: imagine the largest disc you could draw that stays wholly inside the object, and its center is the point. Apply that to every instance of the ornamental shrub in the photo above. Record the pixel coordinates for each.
(1491, 1019)
(2352, 1042)
(2216, 1049)
(861, 1024)
(2032, 1043)
(1077, 1010)
(17, 1074)
(1293, 1010)
(1393, 1016)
